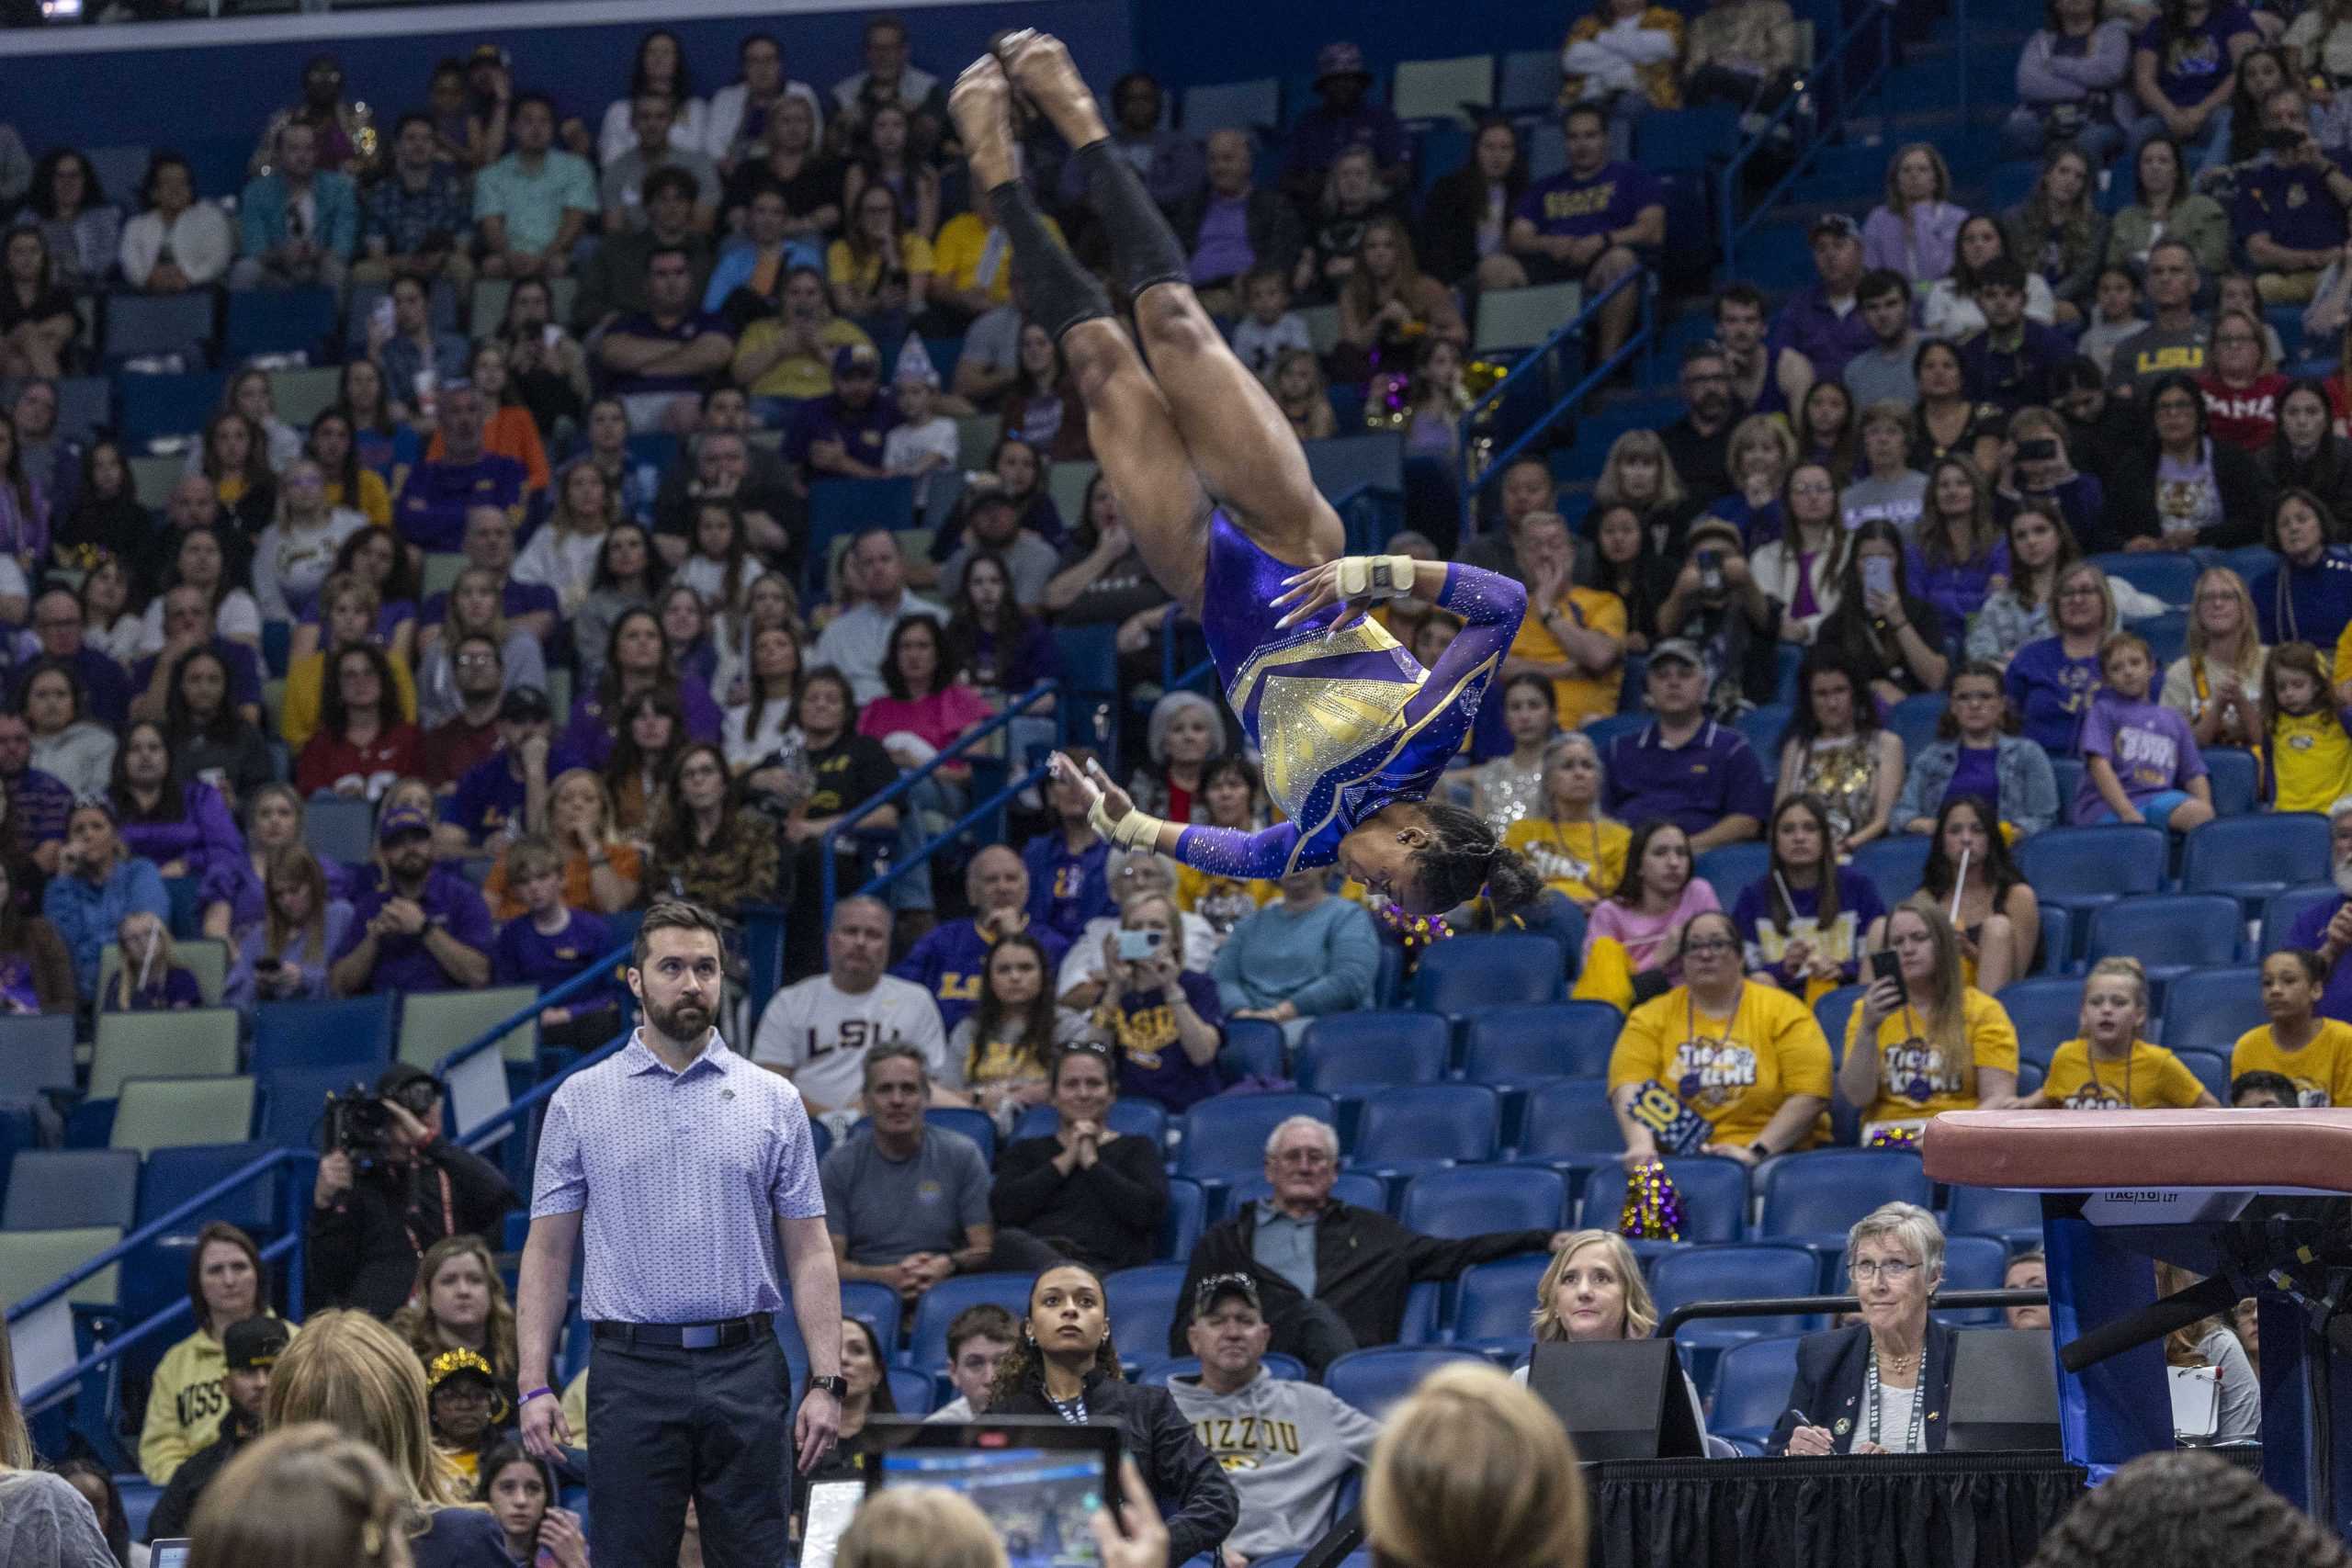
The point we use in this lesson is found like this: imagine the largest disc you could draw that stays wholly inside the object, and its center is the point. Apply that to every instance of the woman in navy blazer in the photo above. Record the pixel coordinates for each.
(1882, 1385)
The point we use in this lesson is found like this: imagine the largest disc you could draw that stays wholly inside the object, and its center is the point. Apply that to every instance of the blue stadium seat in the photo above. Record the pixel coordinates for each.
(1495, 1302)
(841, 507)
(1473, 973)
(1186, 1217)
(878, 1307)
(1730, 868)
(1971, 1263)
(2083, 868)
(1359, 1188)
(169, 404)
(2167, 575)
(1745, 1272)
(1409, 1127)
(2166, 635)
(977, 1125)
(1824, 1193)
(1713, 1191)
(2211, 1067)
(926, 1343)
(1831, 1012)
(140, 324)
(2015, 1217)
(1752, 1384)
(1522, 1045)
(1142, 1304)
(173, 1175)
(2046, 1011)
(1254, 105)
(354, 1033)
(2057, 947)
(2250, 858)
(1913, 720)
(1227, 1136)
(1253, 1048)
(913, 1391)
(1571, 1117)
(59, 1189)
(1472, 1200)
(2210, 1007)
(1763, 726)
(36, 1055)
(1895, 866)
(2236, 779)
(1351, 1052)
(339, 829)
(276, 320)
(1373, 1380)
(2168, 932)
(2280, 911)
(2066, 772)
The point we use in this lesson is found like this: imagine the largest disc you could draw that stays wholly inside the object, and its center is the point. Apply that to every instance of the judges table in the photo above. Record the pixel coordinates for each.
(1976, 1510)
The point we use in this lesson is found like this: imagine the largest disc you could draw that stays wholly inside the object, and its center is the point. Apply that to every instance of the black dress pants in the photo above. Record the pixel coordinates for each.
(713, 1426)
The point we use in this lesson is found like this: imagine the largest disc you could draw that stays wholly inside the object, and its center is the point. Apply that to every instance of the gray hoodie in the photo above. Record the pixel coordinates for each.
(1286, 1446)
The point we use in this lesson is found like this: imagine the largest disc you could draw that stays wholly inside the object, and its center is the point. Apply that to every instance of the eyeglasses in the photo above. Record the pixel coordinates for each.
(701, 770)
(1313, 1159)
(2080, 591)
(1893, 1270)
(1709, 947)
(476, 661)
(1813, 488)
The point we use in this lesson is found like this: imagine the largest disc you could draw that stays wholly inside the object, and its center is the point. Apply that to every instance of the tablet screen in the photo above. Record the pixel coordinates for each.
(168, 1553)
(1038, 1499)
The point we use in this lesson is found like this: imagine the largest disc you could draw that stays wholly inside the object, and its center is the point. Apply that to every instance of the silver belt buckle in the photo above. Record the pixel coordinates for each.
(699, 1337)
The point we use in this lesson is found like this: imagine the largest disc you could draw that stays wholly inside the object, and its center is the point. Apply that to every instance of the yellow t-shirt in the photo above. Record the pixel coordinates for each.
(372, 501)
(298, 714)
(800, 376)
(1584, 861)
(2321, 1071)
(1580, 698)
(1908, 1065)
(963, 248)
(2154, 1079)
(842, 268)
(2313, 758)
(1734, 1072)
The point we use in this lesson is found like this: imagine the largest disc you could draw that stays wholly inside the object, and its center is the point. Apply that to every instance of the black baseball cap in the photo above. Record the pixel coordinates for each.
(253, 1344)
(526, 704)
(1217, 1286)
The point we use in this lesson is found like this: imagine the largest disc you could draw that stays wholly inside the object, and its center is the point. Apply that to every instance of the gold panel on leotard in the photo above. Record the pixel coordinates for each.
(1312, 725)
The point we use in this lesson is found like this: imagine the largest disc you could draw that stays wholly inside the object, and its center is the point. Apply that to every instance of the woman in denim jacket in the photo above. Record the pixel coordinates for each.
(2024, 789)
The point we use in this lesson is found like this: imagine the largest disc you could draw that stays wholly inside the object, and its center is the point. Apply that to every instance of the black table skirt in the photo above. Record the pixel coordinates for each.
(1874, 1511)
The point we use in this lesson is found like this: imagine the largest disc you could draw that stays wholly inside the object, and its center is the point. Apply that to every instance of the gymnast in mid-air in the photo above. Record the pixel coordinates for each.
(1215, 490)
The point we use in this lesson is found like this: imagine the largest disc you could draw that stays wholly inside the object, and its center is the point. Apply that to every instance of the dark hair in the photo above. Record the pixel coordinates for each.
(893, 680)
(256, 471)
(2330, 527)
(1024, 1363)
(1736, 294)
(627, 762)
(839, 683)
(1880, 281)
(2184, 1510)
(1849, 603)
(681, 86)
(657, 570)
(2177, 381)
(533, 97)
(608, 680)
(180, 725)
(674, 915)
(985, 1320)
(2001, 872)
(2246, 109)
(384, 424)
(2258, 1082)
(171, 802)
(1465, 858)
(165, 158)
(883, 1400)
(1948, 723)
(1036, 1023)
(755, 709)
(412, 116)
(2182, 175)
(673, 825)
(1008, 629)
(1076, 1051)
(346, 474)
(400, 585)
(1776, 875)
(512, 1451)
(1965, 277)
(1541, 684)
(2311, 964)
(1928, 345)
(332, 715)
(2001, 272)
(115, 1524)
(220, 1230)
(73, 687)
(1628, 890)
(1805, 726)
(42, 197)
(672, 178)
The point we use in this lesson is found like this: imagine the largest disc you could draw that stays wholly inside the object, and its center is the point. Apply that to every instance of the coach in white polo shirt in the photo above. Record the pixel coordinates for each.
(816, 1033)
(688, 1172)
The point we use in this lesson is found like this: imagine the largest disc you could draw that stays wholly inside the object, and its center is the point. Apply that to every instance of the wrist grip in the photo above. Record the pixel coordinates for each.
(1375, 577)
(1135, 830)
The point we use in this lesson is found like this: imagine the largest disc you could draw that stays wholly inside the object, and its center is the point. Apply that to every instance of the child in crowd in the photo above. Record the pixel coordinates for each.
(2312, 1053)
(550, 942)
(2110, 1068)
(926, 441)
(721, 566)
(2310, 750)
(2115, 315)
(148, 977)
(2139, 760)
(1304, 395)
(1271, 328)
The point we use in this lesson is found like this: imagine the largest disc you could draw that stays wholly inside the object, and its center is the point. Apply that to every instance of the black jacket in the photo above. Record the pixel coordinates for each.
(177, 1504)
(1450, 219)
(1109, 1214)
(364, 1249)
(1365, 1262)
(1197, 1501)
(1276, 235)
(2132, 501)
(1828, 1389)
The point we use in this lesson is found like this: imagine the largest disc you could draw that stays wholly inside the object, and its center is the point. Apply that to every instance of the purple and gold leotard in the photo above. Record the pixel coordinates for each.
(1346, 721)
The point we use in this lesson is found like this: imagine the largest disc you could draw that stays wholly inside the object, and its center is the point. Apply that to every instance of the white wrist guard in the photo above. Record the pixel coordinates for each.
(1133, 831)
(1375, 577)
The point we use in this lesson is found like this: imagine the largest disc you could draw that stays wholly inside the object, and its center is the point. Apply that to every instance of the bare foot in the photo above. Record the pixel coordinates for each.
(1041, 67)
(981, 106)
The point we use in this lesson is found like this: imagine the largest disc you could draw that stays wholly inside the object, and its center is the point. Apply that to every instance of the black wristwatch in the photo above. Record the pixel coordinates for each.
(837, 1387)
(1760, 1149)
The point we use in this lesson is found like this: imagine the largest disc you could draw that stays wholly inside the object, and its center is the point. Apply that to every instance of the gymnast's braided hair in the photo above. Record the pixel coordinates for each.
(2175, 1510)
(1465, 857)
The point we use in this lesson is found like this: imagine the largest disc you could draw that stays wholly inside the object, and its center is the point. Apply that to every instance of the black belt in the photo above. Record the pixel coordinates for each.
(689, 1335)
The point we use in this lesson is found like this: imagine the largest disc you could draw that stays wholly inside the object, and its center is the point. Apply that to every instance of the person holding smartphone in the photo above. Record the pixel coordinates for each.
(1881, 629)
(1163, 1022)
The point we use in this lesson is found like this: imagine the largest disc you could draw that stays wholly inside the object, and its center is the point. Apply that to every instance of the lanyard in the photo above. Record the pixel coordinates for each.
(449, 1214)
(2090, 1066)
(1690, 1017)
(1913, 1442)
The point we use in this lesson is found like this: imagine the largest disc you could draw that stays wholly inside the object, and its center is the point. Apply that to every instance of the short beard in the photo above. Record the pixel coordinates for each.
(670, 1024)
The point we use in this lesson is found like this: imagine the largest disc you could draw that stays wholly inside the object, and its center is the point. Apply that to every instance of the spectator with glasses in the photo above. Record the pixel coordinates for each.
(1881, 1384)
